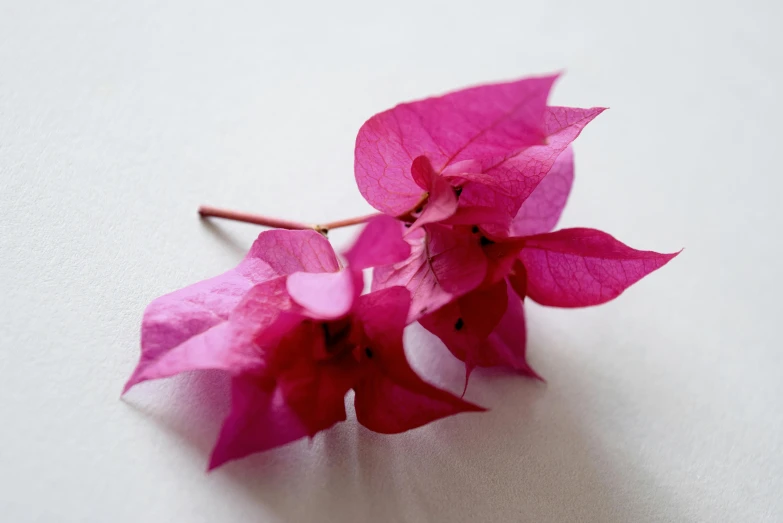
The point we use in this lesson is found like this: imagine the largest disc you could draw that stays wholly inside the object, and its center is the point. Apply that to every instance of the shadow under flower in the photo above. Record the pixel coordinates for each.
(191, 406)
(236, 245)
(532, 457)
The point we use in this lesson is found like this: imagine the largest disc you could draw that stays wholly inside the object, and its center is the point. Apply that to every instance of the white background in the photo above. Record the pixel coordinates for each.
(117, 119)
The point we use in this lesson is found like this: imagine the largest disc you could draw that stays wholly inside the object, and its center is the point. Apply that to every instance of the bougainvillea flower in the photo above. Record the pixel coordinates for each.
(481, 176)
(194, 318)
(477, 123)
(568, 268)
(295, 334)
(501, 143)
(469, 157)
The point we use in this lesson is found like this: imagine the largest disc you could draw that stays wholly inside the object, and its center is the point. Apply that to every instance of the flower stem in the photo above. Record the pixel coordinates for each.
(206, 212)
(346, 222)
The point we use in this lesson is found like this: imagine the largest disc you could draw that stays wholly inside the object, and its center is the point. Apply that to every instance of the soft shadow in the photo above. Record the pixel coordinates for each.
(236, 245)
(535, 456)
(191, 405)
(532, 457)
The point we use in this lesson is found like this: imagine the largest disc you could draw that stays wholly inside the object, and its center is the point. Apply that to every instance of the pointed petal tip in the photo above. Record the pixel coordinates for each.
(468, 405)
(132, 382)
(472, 407)
(556, 74)
(669, 256)
(214, 463)
(218, 457)
(530, 373)
(468, 371)
(553, 78)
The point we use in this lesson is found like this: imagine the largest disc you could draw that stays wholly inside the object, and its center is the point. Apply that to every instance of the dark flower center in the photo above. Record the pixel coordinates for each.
(342, 341)
(337, 336)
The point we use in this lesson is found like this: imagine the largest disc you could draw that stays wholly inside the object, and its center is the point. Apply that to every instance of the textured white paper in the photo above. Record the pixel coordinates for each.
(117, 119)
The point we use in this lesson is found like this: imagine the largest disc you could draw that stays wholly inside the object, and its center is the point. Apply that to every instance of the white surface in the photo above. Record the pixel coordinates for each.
(118, 118)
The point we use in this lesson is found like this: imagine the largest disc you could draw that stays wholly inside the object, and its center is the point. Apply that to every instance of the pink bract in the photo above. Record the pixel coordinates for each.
(296, 342)
(187, 317)
(582, 267)
(488, 121)
(469, 169)
(300, 388)
(541, 211)
(483, 199)
(517, 175)
(485, 328)
(567, 268)
(380, 243)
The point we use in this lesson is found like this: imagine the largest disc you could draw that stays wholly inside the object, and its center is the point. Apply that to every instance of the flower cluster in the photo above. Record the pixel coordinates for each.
(468, 186)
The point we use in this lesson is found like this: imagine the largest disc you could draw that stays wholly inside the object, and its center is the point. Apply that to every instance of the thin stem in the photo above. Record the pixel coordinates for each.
(206, 211)
(346, 222)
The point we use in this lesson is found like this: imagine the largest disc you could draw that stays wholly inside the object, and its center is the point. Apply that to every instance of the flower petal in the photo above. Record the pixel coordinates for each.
(501, 257)
(230, 345)
(479, 206)
(443, 264)
(517, 279)
(314, 388)
(287, 252)
(326, 295)
(520, 173)
(383, 315)
(391, 397)
(464, 324)
(505, 347)
(494, 220)
(186, 316)
(581, 267)
(385, 406)
(480, 122)
(542, 209)
(294, 395)
(441, 202)
(379, 243)
(259, 420)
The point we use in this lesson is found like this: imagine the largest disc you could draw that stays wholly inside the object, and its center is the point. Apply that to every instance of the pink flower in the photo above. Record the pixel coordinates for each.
(295, 334)
(485, 122)
(483, 175)
(567, 268)
(473, 156)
